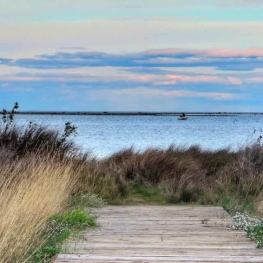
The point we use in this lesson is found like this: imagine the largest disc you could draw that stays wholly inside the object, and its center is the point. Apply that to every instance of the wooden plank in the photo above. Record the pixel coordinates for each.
(144, 234)
(175, 258)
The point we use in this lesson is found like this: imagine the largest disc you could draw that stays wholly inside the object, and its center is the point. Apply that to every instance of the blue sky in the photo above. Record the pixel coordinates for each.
(140, 55)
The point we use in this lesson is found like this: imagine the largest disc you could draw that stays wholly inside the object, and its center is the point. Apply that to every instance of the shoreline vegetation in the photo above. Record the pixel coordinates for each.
(48, 187)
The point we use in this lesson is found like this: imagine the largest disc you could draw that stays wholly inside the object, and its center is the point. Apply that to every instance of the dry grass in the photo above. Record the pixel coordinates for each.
(34, 187)
(32, 190)
(155, 165)
(232, 179)
(242, 179)
(35, 139)
(183, 174)
(39, 172)
(98, 177)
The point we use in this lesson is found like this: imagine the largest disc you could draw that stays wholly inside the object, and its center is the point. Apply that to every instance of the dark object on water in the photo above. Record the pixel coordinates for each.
(182, 117)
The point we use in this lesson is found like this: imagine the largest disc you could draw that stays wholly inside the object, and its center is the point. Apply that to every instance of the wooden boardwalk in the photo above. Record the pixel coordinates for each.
(144, 234)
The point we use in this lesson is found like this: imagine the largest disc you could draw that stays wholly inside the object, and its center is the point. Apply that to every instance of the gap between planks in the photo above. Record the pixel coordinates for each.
(144, 234)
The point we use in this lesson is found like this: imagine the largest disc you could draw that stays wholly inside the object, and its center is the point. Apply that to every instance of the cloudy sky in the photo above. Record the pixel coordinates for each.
(132, 55)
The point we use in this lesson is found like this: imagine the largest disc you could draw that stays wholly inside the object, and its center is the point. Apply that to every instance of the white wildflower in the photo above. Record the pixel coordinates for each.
(243, 222)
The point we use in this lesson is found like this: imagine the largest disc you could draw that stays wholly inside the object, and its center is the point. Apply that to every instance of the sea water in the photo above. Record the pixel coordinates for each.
(104, 135)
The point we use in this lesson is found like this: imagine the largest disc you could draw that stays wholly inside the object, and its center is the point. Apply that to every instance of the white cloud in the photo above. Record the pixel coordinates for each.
(127, 35)
(116, 95)
(35, 9)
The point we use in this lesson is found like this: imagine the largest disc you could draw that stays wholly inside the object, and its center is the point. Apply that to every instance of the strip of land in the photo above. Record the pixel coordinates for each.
(136, 113)
(161, 234)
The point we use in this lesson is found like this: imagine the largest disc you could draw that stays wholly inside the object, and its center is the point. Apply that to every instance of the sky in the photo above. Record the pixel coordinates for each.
(132, 55)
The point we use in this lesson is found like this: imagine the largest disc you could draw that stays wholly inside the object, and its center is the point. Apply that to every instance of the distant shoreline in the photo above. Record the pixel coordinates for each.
(115, 113)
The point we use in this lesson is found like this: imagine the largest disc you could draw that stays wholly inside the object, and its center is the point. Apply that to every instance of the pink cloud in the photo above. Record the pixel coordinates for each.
(257, 80)
(210, 52)
(170, 51)
(153, 93)
(234, 80)
(168, 79)
(174, 79)
(210, 95)
(235, 53)
(19, 78)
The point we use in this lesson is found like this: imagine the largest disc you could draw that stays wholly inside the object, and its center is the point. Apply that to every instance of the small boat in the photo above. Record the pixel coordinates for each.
(182, 117)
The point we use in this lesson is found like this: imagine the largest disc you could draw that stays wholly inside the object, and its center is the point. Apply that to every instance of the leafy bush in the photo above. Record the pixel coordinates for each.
(253, 227)
(256, 234)
(74, 218)
(59, 228)
(35, 139)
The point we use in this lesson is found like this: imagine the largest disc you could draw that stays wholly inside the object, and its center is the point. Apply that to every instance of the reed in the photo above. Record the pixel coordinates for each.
(31, 191)
(42, 173)
(35, 139)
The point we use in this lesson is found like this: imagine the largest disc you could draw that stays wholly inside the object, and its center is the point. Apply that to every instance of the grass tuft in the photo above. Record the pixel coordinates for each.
(46, 186)
(59, 228)
(31, 192)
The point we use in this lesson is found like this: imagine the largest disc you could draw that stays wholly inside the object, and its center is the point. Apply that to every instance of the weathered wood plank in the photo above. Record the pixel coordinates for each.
(144, 234)
(175, 258)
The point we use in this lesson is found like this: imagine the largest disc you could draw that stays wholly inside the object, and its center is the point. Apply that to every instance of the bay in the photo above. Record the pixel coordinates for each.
(104, 135)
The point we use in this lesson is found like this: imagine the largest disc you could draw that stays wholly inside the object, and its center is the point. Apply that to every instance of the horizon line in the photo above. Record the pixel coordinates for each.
(136, 113)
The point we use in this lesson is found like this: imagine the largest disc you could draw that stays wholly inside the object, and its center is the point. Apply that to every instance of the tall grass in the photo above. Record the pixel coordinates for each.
(243, 179)
(182, 174)
(31, 191)
(99, 177)
(35, 139)
(231, 179)
(41, 171)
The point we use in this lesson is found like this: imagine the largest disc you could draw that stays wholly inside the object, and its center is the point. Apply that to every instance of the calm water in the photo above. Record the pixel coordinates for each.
(104, 135)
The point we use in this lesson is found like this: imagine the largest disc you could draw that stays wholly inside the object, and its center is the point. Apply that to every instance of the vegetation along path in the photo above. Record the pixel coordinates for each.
(161, 234)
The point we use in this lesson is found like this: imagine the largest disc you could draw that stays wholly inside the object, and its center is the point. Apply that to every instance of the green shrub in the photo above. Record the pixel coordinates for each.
(46, 253)
(59, 228)
(256, 234)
